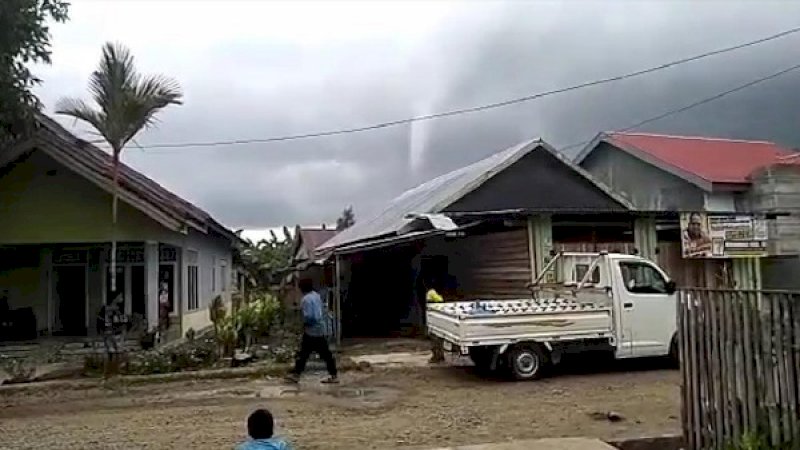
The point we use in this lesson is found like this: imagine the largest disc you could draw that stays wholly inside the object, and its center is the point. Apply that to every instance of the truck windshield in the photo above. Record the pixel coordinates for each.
(642, 278)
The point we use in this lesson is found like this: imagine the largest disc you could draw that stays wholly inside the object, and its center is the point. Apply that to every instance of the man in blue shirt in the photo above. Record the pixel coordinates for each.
(314, 335)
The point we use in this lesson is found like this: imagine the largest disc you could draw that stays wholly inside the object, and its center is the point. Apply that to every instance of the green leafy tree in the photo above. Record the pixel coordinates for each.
(125, 102)
(24, 39)
(347, 219)
(266, 260)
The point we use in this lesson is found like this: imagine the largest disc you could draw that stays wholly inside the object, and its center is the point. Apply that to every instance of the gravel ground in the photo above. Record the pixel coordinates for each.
(382, 409)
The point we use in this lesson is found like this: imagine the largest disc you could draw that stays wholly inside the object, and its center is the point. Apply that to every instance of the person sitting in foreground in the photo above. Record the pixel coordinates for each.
(260, 427)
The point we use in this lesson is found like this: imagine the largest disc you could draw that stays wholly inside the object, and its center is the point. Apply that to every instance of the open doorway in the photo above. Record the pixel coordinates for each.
(69, 300)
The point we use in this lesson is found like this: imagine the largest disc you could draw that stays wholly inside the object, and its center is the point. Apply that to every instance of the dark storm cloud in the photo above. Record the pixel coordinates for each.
(254, 89)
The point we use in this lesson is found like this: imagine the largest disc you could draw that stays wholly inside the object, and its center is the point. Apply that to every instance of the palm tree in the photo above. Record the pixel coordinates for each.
(125, 103)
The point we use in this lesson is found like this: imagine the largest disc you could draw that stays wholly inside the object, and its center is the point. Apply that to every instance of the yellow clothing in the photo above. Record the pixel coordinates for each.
(433, 297)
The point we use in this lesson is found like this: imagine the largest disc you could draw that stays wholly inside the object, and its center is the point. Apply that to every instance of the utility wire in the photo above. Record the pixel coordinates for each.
(692, 105)
(474, 109)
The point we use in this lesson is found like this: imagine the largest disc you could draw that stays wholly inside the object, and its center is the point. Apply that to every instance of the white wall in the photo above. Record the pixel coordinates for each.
(211, 249)
(720, 202)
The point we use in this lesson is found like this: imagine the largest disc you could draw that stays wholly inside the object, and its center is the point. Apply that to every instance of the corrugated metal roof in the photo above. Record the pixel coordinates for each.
(438, 193)
(429, 197)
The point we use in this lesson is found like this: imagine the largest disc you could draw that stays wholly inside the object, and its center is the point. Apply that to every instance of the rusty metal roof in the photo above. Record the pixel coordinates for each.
(136, 189)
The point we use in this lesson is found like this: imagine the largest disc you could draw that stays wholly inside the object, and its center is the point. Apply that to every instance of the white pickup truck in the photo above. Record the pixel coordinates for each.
(593, 301)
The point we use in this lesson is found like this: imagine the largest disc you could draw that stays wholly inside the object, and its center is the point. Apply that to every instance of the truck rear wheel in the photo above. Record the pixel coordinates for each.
(527, 362)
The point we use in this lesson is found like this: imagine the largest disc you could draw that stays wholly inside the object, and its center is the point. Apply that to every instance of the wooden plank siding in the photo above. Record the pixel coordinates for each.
(499, 265)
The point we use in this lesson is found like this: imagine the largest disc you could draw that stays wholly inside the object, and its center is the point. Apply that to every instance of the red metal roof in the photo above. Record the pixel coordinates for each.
(711, 159)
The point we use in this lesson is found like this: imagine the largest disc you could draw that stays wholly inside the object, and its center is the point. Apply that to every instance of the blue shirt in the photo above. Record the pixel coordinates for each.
(264, 444)
(313, 322)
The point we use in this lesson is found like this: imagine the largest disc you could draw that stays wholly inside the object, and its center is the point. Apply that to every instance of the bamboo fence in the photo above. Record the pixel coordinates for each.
(740, 363)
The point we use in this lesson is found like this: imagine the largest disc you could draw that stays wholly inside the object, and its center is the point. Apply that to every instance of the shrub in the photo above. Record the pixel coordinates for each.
(226, 334)
(191, 355)
(257, 317)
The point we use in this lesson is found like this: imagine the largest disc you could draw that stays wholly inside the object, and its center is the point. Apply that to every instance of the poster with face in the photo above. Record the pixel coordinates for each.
(695, 237)
(721, 235)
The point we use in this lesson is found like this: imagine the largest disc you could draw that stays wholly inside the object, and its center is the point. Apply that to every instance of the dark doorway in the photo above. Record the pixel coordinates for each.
(69, 296)
(138, 302)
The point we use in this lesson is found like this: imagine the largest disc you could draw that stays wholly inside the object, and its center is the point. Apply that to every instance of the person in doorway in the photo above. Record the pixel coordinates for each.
(437, 345)
(314, 335)
(163, 312)
(260, 428)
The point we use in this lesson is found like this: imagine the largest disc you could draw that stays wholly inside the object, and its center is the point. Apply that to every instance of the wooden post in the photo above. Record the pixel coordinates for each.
(46, 280)
(532, 249)
(338, 299)
(644, 237)
(792, 373)
(542, 229)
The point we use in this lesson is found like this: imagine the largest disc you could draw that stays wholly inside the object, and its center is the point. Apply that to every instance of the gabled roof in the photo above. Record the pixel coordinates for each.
(310, 239)
(702, 161)
(437, 194)
(135, 189)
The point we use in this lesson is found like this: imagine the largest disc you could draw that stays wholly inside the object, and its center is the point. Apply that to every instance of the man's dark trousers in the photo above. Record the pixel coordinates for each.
(309, 345)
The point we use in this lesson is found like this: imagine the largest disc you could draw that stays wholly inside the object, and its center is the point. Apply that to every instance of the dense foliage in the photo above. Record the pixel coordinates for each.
(347, 219)
(266, 261)
(24, 40)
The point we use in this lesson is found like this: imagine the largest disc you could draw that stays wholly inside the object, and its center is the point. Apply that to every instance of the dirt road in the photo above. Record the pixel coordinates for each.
(384, 409)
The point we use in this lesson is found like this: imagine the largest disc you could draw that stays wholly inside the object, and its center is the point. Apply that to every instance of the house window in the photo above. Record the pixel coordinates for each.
(193, 300)
(223, 274)
(213, 274)
(192, 281)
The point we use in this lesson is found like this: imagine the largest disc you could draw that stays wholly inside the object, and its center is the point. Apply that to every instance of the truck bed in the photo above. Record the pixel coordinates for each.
(498, 322)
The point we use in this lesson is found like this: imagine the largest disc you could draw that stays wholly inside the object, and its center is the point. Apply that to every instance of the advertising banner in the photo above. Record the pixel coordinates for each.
(714, 235)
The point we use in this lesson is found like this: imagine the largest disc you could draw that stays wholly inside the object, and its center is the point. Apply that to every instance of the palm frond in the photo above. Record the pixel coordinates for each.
(150, 95)
(126, 101)
(79, 109)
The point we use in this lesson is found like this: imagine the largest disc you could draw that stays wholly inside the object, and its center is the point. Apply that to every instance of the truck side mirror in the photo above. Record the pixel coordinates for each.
(670, 287)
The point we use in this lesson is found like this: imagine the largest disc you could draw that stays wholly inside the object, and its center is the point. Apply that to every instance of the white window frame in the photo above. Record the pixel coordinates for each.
(193, 266)
(213, 274)
(223, 272)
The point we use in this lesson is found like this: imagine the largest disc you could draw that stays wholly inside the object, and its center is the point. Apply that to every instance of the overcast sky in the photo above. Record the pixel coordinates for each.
(255, 69)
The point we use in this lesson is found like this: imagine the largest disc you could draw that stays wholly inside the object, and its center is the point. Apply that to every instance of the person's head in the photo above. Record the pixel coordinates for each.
(695, 226)
(260, 424)
(306, 285)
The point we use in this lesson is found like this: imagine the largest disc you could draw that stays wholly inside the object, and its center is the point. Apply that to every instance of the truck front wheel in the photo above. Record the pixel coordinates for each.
(527, 362)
